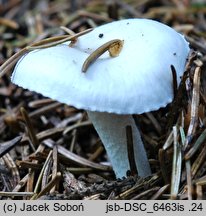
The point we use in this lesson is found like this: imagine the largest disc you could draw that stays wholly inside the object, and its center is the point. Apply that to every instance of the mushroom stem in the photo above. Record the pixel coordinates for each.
(112, 131)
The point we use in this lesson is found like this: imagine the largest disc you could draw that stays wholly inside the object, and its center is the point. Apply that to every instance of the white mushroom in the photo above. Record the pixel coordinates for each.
(138, 80)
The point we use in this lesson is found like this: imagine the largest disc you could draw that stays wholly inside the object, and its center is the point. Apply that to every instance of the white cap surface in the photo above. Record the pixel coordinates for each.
(137, 81)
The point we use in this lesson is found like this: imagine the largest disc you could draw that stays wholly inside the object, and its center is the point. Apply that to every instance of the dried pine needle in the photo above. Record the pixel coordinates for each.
(67, 30)
(15, 194)
(160, 192)
(49, 42)
(21, 184)
(199, 161)
(163, 167)
(7, 146)
(189, 180)
(199, 192)
(194, 107)
(53, 41)
(38, 183)
(48, 187)
(176, 165)
(114, 47)
(77, 159)
(4, 68)
(168, 141)
(130, 150)
(196, 146)
(13, 168)
(30, 128)
(55, 166)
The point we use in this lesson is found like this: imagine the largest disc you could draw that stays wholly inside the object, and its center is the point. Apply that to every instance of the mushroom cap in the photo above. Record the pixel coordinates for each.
(138, 80)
